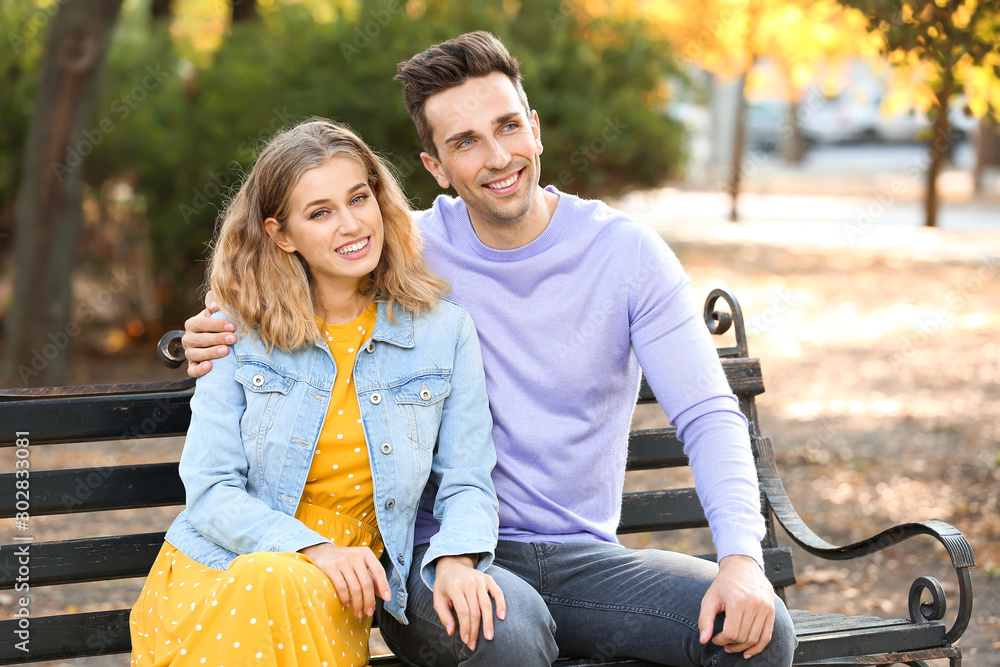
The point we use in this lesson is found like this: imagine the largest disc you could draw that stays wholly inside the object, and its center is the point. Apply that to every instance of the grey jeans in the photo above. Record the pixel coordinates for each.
(585, 600)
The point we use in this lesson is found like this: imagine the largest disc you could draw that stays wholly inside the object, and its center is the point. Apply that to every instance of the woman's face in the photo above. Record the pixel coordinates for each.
(335, 223)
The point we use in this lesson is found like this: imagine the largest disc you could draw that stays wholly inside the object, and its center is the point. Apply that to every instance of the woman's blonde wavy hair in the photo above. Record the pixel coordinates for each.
(266, 291)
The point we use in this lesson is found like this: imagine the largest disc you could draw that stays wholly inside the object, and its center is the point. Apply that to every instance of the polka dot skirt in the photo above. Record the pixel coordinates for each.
(274, 608)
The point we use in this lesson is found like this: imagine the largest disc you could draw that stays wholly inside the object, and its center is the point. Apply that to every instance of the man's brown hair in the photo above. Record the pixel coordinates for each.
(450, 64)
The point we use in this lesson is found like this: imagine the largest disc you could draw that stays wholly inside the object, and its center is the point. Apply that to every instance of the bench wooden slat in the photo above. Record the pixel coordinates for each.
(69, 635)
(151, 485)
(858, 640)
(106, 632)
(96, 489)
(90, 418)
(78, 561)
(661, 510)
(655, 448)
(745, 379)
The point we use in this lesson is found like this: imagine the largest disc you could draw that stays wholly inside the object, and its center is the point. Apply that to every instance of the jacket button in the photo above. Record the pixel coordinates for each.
(386, 448)
(389, 504)
(370, 347)
(376, 398)
(258, 380)
(399, 559)
(425, 393)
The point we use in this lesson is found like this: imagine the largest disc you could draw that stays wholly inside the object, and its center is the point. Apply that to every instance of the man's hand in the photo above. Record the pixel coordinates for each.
(460, 586)
(206, 339)
(746, 596)
(354, 572)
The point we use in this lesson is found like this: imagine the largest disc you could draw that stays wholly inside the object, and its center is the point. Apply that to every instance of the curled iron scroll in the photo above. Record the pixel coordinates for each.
(719, 322)
(932, 610)
(170, 350)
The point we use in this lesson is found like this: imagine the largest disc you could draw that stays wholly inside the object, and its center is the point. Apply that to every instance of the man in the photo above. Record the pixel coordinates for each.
(570, 298)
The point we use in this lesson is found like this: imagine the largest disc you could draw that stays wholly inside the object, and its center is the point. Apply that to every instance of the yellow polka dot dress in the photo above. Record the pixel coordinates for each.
(275, 608)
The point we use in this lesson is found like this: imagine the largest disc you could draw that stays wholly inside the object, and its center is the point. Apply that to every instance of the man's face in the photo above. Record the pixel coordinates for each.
(488, 148)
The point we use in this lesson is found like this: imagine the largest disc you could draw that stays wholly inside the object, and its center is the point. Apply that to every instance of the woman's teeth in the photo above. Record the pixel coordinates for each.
(354, 247)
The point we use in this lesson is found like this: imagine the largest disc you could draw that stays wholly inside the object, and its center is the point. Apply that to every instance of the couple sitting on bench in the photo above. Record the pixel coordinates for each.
(360, 450)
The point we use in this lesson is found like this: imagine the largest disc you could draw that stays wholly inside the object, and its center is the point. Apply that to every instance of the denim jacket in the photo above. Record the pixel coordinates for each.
(256, 418)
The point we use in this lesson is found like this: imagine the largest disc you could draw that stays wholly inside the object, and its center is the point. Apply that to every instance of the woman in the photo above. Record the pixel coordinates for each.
(351, 385)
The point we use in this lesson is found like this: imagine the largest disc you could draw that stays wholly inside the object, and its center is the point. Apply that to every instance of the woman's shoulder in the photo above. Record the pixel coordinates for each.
(446, 316)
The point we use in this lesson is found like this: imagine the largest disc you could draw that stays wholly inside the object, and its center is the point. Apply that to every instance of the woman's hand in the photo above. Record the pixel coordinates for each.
(354, 572)
(460, 586)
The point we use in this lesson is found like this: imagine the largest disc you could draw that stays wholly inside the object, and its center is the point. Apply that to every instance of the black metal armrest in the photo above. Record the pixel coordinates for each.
(958, 548)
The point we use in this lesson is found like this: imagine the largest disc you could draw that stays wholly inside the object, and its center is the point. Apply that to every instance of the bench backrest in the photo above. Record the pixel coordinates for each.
(129, 414)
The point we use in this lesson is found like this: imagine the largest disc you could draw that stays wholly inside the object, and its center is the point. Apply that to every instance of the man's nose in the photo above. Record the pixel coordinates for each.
(498, 157)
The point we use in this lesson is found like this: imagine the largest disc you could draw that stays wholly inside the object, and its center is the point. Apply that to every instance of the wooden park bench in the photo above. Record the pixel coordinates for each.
(152, 410)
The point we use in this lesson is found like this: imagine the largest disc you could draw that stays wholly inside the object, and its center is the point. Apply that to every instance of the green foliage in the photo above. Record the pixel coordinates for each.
(20, 60)
(185, 135)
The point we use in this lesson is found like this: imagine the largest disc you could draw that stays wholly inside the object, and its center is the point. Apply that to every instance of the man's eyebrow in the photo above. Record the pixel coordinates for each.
(459, 136)
(499, 120)
(359, 186)
(506, 118)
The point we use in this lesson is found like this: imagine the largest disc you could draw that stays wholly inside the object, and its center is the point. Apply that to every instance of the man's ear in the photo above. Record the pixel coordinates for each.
(536, 130)
(273, 229)
(433, 165)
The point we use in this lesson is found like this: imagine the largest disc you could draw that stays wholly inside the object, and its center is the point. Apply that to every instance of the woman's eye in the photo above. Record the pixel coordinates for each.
(317, 214)
(359, 199)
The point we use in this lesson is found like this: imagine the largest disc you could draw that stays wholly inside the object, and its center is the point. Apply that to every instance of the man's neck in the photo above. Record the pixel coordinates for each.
(510, 234)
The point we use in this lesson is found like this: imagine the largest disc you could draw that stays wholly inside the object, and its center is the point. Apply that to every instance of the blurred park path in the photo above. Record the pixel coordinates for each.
(879, 344)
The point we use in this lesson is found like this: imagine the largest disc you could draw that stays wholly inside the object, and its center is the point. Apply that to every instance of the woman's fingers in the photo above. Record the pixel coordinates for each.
(442, 607)
(492, 590)
(379, 579)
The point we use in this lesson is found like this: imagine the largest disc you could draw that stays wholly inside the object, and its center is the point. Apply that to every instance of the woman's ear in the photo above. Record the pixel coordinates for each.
(273, 229)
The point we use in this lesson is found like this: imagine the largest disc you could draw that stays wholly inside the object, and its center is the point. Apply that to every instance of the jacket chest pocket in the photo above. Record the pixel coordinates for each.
(421, 401)
(264, 389)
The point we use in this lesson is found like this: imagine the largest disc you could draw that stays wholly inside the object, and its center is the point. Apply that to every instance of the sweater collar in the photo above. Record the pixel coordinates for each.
(557, 225)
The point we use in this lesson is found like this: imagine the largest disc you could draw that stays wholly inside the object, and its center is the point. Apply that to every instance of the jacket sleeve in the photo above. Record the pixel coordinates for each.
(466, 502)
(214, 468)
(678, 357)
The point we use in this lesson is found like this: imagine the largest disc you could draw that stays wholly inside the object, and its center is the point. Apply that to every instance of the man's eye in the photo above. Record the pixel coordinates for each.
(511, 126)
(464, 143)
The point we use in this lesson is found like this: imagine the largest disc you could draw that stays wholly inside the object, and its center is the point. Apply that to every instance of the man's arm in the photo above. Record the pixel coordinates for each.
(677, 354)
(206, 339)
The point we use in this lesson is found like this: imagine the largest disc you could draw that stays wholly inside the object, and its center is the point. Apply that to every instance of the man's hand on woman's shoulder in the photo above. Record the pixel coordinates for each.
(206, 339)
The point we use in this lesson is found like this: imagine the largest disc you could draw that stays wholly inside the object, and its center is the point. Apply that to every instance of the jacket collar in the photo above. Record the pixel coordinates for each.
(399, 333)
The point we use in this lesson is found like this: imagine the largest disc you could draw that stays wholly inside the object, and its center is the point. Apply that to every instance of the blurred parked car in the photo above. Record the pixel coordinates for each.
(844, 121)
(841, 121)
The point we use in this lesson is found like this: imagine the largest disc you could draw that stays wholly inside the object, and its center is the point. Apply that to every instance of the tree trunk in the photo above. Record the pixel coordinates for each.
(160, 9)
(243, 10)
(48, 202)
(739, 145)
(987, 150)
(940, 146)
(793, 145)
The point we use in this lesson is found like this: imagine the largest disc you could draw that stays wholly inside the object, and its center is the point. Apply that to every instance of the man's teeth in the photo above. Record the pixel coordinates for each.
(354, 247)
(503, 184)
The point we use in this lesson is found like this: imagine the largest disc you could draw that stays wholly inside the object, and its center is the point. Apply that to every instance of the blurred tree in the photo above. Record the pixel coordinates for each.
(729, 37)
(598, 84)
(189, 95)
(941, 48)
(48, 200)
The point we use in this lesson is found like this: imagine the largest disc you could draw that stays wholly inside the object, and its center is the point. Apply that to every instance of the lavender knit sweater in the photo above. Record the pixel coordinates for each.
(565, 323)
